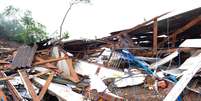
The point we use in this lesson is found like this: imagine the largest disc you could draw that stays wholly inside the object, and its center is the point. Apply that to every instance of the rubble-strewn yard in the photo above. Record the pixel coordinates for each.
(153, 61)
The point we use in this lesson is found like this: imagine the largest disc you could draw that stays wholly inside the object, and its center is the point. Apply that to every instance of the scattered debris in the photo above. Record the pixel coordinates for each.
(157, 64)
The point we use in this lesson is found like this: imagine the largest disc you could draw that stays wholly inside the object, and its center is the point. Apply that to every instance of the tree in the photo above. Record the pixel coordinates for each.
(9, 23)
(19, 25)
(73, 2)
(33, 31)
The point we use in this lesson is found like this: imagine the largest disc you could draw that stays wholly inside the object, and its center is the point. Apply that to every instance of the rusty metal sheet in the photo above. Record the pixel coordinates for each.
(24, 57)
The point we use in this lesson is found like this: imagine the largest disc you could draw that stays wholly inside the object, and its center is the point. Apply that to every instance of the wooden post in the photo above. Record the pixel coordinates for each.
(140, 25)
(174, 39)
(155, 35)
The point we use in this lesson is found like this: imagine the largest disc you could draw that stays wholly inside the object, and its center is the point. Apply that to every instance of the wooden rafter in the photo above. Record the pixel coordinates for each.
(141, 25)
(182, 29)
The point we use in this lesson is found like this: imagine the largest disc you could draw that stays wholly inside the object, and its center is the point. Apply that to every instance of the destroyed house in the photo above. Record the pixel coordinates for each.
(166, 33)
(158, 60)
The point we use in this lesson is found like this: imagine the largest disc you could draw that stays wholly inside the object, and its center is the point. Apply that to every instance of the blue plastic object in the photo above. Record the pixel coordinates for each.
(133, 61)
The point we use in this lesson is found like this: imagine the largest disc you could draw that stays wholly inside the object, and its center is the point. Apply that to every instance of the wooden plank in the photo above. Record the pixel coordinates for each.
(49, 65)
(48, 61)
(15, 94)
(61, 91)
(45, 87)
(19, 98)
(4, 62)
(182, 29)
(155, 35)
(6, 78)
(38, 74)
(174, 40)
(30, 76)
(73, 74)
(42, 60)
(192, 65)
(28, 85)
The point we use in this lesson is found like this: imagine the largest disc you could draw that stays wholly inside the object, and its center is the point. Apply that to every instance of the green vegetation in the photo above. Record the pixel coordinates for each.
(19, 26)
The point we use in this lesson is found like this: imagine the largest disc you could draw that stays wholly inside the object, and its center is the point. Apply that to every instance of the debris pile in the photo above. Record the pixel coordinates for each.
(148, 63)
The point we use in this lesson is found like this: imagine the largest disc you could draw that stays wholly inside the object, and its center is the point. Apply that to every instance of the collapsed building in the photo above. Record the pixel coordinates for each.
(157, 60)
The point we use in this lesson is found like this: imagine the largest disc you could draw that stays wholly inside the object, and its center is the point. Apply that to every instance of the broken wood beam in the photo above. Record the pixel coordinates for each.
(45, 87)
(73, 74)
(30, 76)
(15, 94)
(48, 61)
(42, 60)
(61, 91)
(38, 74)
(48, 65)
(6, 78)
(28, 85)
(4, 62)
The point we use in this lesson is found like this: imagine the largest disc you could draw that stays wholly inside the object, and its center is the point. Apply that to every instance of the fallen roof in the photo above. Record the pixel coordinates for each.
(166, 27)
